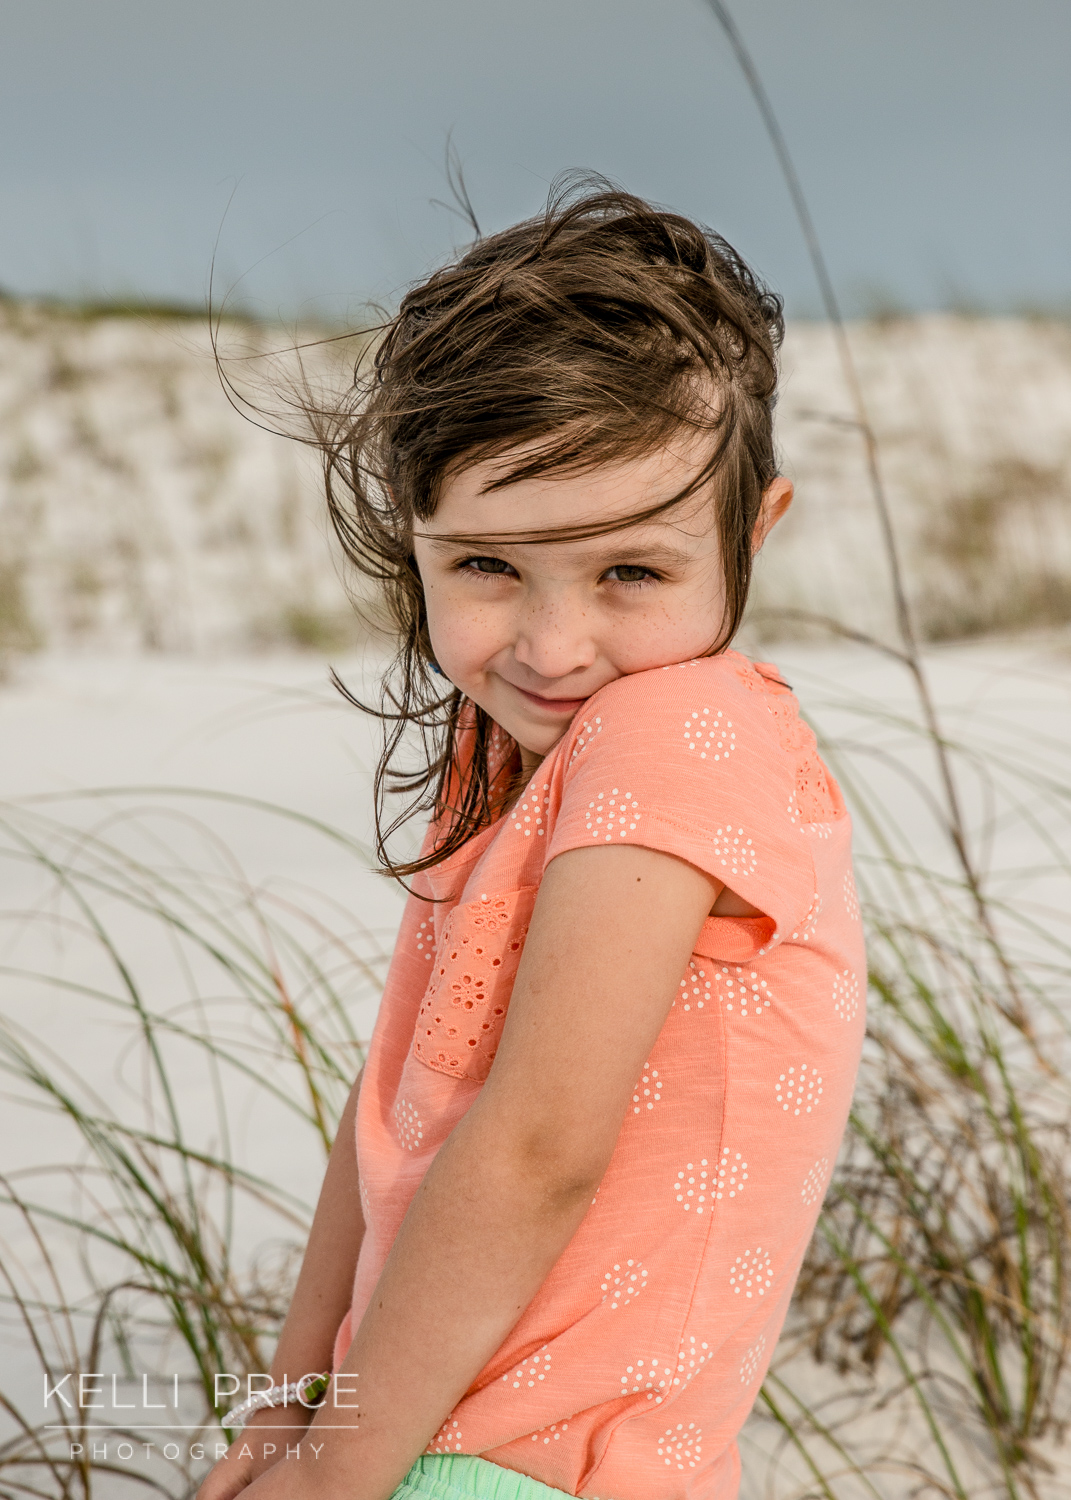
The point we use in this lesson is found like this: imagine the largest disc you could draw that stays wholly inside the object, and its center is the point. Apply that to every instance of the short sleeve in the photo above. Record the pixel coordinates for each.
(688, 760)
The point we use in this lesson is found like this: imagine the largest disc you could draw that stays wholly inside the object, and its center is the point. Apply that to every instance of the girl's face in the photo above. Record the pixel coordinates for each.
(530, 630)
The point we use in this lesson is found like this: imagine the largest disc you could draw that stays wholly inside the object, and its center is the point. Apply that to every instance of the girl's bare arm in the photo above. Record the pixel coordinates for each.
(321, 1298)
(325, 1284)
(508, 1189)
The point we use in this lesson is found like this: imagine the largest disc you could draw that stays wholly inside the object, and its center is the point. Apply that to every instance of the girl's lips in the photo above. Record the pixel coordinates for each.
(552, 705)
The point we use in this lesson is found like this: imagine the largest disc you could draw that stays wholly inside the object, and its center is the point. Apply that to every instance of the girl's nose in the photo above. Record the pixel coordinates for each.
(554, 639)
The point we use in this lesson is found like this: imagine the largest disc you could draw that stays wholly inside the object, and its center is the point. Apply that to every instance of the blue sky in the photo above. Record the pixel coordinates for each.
(933, 138)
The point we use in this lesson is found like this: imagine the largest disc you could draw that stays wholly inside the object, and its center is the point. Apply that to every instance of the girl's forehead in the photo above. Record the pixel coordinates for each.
(474, 499)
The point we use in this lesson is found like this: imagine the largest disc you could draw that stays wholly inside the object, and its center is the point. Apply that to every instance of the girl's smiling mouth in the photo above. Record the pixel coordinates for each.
(552, 705)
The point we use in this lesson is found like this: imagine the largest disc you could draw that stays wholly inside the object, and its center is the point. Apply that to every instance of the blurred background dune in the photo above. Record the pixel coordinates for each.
(140, 511)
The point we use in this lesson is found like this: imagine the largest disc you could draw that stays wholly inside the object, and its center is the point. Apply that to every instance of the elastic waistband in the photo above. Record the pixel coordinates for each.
(465, 1476)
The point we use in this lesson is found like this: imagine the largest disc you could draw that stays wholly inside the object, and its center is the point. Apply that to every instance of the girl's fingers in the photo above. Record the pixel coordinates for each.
(263, 1461)
(292, 1481)
(232, 1474)
(227, 1478)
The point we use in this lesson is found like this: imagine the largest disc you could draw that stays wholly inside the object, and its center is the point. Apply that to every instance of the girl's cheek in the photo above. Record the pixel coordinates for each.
(463, 643)
(663, 634)
(444, 639)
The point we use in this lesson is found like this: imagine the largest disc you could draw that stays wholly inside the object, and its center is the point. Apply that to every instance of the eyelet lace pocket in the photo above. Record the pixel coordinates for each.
(464, 1007)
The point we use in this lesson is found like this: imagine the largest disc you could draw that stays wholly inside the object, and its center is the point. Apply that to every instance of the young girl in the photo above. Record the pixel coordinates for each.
(572, 1189)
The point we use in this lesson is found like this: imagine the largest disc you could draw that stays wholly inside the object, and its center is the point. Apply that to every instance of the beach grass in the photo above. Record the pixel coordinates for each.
(217, 997)
(936, 1290)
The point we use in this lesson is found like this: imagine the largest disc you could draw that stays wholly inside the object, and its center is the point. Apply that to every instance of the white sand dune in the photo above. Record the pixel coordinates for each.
(137, 509)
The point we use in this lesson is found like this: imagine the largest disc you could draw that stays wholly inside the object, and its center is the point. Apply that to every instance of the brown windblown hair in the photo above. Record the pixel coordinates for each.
(588, 335)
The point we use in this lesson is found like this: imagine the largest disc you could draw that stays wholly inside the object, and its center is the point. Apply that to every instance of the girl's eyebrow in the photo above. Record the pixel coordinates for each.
(629, 554)
(636, 552)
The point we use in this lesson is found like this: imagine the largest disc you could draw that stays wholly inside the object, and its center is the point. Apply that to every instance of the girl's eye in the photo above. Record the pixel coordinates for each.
(628, 573)
(496, 565)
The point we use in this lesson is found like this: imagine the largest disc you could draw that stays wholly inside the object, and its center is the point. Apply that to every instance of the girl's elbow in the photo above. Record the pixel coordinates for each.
(561, 1171)
(554, 1161)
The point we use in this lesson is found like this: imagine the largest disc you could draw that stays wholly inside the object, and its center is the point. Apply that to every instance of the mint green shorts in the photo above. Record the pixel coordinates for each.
(464, 1476)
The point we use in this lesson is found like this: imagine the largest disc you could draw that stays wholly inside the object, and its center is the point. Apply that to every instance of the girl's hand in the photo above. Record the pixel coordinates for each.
(228, 1475)
(322, 1471)
(267, 1436)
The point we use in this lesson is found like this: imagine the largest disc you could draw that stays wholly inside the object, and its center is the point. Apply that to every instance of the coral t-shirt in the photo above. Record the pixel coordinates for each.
(632, 1370)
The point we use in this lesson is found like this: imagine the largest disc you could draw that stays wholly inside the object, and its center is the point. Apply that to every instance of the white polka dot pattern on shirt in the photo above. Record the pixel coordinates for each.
(745, 993)
(696, 987)
(806, 930)
(612, 815)
(751, 1273)
(752, 1361)
(691, 1357)
(623, 1283)
(529, 816)
(447, 1439)
(799, 1090)
(647, 1375)
(425, 939)
(681, 1446)
(551, 1434)
(733, 851)
(692, 1187)
(732, 1174)
(814, 1184)
(652, 1376)
(588, 733)
(709, 734)
(529, 1372)
(819, 830)
(408, 1124)
(851, 896)
(845, 995)
(648, 1091)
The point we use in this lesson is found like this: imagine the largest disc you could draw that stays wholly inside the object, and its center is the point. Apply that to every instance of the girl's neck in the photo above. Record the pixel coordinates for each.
(530, 762)
(525, 764)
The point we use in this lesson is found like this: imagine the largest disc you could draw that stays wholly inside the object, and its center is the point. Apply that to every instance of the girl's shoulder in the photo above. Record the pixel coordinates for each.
(730, 673)
(708, 761)
(714, 706)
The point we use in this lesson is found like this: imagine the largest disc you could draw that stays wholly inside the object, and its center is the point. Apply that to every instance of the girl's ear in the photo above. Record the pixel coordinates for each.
(776, 498)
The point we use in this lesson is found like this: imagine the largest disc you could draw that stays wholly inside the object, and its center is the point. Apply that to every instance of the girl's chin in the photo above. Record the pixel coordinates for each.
(536, 742)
